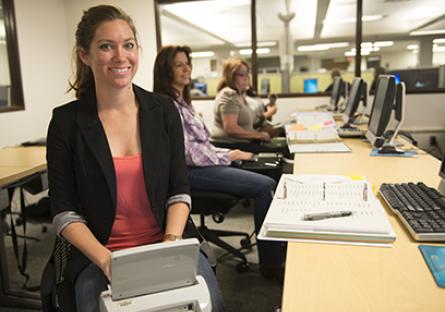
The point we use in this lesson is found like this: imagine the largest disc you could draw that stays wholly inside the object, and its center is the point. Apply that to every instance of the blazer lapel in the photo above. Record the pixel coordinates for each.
(96, 140)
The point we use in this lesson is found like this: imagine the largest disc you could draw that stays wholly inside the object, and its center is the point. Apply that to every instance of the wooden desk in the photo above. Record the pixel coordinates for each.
(327, 277)
(17, 163)
(30, 157)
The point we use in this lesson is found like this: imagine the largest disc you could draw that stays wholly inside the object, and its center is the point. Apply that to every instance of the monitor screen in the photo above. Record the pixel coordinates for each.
(310, 85)
(381, 109)
(201, 86)
(355, 95)
(397, 77)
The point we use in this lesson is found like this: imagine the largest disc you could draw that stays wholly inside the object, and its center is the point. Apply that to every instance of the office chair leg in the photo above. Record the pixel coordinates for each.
(245, 242)
(212, 236)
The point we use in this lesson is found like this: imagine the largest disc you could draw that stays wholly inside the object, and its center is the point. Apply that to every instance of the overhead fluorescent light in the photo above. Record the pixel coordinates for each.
(258, 44)
(258, 51)
(353, 52)
(366, 44)
(202, 54)
(439, 40)
(338, 45)
(427, 32)
(371, 18)
(349, 20)
(313, 47)
(381, 44)
(412, 46)
(322, 46)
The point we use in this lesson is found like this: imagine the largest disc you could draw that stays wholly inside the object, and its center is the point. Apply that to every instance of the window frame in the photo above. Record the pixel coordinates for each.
(254, 68)
(17, 99)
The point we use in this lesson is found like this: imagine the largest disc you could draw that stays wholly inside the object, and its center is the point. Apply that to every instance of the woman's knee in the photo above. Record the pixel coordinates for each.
(268, 185)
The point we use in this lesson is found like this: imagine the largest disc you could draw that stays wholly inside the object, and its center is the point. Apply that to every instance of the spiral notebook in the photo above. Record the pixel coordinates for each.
(303, 195)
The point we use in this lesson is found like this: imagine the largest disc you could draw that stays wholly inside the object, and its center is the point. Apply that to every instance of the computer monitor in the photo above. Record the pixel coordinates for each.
(399, 113)
(201, 86)
(358, 93)
(265, 86)
(339, 89)
(381, 109)
(310, 85)
(441, 187)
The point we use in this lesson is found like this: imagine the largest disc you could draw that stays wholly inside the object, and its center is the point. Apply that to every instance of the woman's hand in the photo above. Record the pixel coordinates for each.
(103, 261)
(239, 155)
(263, 136)
(271, 110)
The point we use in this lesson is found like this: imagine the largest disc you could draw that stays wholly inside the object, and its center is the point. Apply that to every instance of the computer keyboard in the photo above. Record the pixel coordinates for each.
(351, 133)
(419, 207)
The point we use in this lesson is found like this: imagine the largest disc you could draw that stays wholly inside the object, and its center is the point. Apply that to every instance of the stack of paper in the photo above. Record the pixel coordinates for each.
(314, 132)
(349, 211)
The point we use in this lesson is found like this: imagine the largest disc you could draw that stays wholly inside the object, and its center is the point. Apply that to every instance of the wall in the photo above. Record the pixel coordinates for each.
(4, 70)
(44, 58)
(142, 13)
(46, 37)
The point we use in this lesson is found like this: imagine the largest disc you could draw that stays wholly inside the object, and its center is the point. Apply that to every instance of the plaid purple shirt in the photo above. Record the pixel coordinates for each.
(199, 152)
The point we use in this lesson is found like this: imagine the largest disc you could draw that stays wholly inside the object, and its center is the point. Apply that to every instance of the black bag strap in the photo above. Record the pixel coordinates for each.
(22, 260)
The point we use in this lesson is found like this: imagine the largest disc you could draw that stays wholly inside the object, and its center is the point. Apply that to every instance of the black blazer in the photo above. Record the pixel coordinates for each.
(81, 171)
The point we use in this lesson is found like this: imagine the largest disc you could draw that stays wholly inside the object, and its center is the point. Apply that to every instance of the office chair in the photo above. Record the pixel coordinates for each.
(218, 204)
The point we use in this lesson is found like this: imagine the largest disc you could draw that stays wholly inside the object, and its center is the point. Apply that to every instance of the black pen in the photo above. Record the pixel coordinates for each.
(326, 215)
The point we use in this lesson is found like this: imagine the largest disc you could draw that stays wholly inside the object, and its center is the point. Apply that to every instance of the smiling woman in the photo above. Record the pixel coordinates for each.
(11, 91)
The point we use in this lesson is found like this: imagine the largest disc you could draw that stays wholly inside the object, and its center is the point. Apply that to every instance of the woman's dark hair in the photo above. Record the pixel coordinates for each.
(163, 73)
(229, 71)
(83, 80)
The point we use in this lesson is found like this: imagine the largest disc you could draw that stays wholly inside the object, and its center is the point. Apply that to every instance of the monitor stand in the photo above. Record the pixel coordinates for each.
(441, 187)
(361, 119)
(390, 149)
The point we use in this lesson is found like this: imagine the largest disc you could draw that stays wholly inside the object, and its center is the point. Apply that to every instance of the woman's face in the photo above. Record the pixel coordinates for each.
(242, 78)
(113, 56)
(182, 71)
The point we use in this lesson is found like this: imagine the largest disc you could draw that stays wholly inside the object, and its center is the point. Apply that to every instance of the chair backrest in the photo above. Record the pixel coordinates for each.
(211, 202)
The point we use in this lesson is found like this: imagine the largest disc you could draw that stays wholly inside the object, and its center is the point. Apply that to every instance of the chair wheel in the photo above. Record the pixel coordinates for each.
(242, 267)
(246, 243)
(218, 217)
